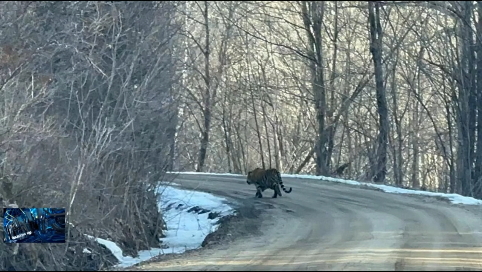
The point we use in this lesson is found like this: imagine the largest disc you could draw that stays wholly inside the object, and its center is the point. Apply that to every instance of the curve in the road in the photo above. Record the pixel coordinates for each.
(327, 226)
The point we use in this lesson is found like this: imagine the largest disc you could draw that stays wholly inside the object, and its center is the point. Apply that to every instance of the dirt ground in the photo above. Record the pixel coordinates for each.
(328, 226)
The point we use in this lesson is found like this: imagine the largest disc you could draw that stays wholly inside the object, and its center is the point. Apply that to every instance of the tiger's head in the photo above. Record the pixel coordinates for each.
(254, 175)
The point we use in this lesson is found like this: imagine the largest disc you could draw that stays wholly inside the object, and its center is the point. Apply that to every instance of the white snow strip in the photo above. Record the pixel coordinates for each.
(204, 173)
(454, 198)
(187, 229)
(169, 183)
(187, 226)
(126, 261)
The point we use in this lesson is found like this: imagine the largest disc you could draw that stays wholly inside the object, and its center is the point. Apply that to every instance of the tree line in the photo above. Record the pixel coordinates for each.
(389, 91)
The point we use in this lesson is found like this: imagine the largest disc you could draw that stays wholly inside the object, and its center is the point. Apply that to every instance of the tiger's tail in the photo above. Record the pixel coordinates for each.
(278, 176)
(284, 188)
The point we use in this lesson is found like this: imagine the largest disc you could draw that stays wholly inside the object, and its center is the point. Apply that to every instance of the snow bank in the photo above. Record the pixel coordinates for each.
(205, 173)
(454, 198)
(187, 215)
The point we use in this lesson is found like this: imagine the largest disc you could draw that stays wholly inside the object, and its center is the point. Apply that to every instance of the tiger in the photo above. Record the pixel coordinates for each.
(266, 179)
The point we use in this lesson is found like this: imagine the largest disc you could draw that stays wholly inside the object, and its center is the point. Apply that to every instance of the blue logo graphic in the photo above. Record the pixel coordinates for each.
(34, 225)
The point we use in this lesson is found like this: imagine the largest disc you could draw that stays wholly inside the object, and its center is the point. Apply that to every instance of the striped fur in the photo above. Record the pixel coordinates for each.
(266, 179)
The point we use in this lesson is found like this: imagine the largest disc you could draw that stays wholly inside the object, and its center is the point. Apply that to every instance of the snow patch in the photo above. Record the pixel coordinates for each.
(126, 261)
(204, 173)
(169, 183)
(454, 198)
(189, 215)
(186, 215)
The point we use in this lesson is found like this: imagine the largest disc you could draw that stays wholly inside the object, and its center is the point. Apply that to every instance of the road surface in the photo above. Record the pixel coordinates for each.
(329, 226)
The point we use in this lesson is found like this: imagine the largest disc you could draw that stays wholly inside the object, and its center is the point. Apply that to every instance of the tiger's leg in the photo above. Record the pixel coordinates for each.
(277, 191)
(259, 190)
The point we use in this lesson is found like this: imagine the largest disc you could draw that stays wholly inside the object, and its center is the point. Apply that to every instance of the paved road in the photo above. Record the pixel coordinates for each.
(328, 226)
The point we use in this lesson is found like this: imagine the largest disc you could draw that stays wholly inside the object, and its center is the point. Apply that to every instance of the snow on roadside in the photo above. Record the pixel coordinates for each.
(189, 215)
(454, 198)
(205, 173)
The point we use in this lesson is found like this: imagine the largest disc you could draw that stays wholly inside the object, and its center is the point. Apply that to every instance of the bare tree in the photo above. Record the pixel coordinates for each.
(198, 30)
(313, 13)
(376, 37)
(478, 154)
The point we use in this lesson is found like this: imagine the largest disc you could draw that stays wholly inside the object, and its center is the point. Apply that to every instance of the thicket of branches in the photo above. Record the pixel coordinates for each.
(382, 91)
(86, 97)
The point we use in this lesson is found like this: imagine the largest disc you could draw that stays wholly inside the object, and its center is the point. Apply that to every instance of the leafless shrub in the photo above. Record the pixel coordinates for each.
(84, 122)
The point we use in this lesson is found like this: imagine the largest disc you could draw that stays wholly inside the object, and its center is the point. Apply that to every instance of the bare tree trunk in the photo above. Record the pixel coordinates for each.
(350, 146)
(452, 176)
(227, 139)
(265, 123)
(394, 126)
(332, 126)
(415, 133)
(350, 140)
(357, 166)
(313, 13)
(423, 171)
(171, 130)
(237, 154)
(241, 147)
(342, 139)
(276, 148)
(478, 154)
(464, 110)
(171, 134)
(258, 132)
(398, 144)
(277, 125)
(278, 142)
(415, 148)
(207, 95)
(246, 149)
(376, 34)
(472, 91)
(416, 130)
(371, 155)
